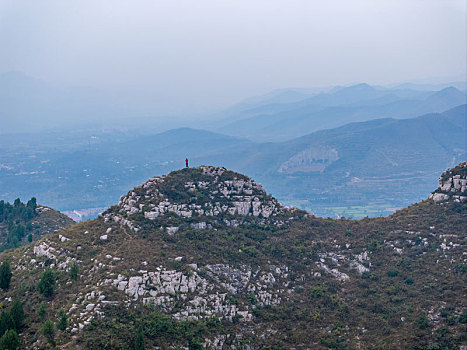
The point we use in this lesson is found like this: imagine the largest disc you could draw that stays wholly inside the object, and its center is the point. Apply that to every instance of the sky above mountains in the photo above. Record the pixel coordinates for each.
(188, 56)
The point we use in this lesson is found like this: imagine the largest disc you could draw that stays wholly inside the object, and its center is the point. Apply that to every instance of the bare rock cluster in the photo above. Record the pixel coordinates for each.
(452, 185)
(211, 197)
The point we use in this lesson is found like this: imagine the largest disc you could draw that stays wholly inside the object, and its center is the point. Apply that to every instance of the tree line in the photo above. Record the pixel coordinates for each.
(18, 217)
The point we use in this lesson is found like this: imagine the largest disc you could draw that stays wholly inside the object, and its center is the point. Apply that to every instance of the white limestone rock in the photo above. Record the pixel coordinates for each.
(43, 249)
(172, 230)
(359, 267)
(438, 197)
(63, 238)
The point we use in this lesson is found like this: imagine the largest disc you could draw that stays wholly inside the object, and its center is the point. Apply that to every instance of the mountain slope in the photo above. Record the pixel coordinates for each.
(383, 161)
(188, 260)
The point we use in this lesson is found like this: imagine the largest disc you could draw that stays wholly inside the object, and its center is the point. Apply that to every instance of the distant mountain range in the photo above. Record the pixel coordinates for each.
(29, 105)
(279, 118)
(358, 169)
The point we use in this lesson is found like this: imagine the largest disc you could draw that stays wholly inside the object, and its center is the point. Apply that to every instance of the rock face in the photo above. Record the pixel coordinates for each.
(205, 195)
(452, 185)
(202, 297)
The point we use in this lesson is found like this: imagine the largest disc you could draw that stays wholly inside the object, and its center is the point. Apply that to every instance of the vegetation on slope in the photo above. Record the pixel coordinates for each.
(405, 284)
(26, 222)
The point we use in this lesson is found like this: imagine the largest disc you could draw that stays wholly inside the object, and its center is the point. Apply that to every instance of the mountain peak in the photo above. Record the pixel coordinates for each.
(452, 185)
(361, 86)
(449, 92)
(200, 197)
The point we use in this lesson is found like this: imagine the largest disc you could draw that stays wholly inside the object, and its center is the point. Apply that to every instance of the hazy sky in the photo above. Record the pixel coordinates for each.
(194, 53)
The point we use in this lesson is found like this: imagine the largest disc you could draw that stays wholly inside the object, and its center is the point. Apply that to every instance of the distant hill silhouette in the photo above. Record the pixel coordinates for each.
(281, 121)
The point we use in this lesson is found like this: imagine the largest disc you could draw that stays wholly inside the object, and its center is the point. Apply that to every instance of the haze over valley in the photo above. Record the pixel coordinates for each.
(233, 175)
(347, 151)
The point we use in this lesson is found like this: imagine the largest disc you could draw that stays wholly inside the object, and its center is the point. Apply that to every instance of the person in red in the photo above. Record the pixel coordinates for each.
(186, 162)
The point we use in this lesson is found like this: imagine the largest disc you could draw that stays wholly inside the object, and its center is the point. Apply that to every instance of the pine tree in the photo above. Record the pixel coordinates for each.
(62, 320)
(6, 322)
(48, 329)
(17, 314)
(10, 340)
(42, 311)
(46, 285)
(32, 203)
(74, 271)
(5, 275)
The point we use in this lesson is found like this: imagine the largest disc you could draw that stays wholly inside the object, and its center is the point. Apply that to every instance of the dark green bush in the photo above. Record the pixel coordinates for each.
(46, 285)
(62, 320)
(5, 275)
(9, 340)
(422, 322)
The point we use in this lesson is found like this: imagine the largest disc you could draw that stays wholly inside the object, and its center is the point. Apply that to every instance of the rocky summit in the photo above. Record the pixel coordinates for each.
(203, 258)
(452, 185)
(203, 196)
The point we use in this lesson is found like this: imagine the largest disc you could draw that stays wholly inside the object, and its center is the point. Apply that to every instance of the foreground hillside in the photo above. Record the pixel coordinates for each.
(204, 258)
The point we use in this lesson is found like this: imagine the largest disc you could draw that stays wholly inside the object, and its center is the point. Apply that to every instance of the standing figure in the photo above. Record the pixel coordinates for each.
(186, 162)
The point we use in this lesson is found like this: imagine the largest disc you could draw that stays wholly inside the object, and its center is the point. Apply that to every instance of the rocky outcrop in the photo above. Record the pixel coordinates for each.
(216, 195)
(452, 185)
(211, 295)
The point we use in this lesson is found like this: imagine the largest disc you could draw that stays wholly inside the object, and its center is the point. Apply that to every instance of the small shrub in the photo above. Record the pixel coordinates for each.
(139, 340)
(9, 340)
(46, 285)
(433, 346)
(373, 245)
(48, 329)
(422, 322)
(74, 271)
(195, 344)
(460, 269)
(392, 273)
(318, 291)
(451, 320)
(463, 318)
(42, 311)
(62, 320)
